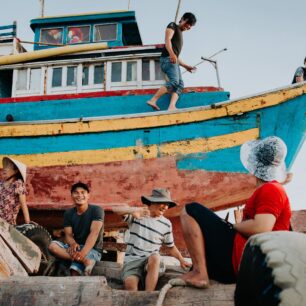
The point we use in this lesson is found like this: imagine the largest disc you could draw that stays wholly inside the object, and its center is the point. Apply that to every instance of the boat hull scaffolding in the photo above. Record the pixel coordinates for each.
(193, 151)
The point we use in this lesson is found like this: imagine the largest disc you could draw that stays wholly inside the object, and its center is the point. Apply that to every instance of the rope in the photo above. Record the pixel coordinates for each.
(171, 283)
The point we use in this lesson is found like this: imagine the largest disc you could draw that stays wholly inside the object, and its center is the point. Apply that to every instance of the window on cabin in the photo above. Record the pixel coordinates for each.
(158, 72)
(146, 70)
(57, 77)
(35, 79)
(116, 71)
(78, 34)
(22, 79)
(85, 76)
(51, 36)
(105, 32)
(71, 76)
(131, 71)
(99, 74)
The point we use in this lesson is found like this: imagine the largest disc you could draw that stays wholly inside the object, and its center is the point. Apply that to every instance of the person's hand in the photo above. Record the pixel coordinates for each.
(288, 178)
(73, 249)
(32, 222)
(79, 256)
(141, 212)
(190, 69)
(173, 58)
(185, 264)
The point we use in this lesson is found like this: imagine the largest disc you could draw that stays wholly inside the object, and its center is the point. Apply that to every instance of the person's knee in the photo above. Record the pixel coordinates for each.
(174, 84)
(153, 261)
(53, 247)
(131, 283)
(180, 87)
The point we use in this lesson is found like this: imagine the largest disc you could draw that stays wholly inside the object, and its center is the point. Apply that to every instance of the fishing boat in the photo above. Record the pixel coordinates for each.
(74, 109)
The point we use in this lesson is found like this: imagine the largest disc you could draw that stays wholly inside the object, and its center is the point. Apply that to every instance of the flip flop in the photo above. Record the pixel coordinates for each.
(154, 106)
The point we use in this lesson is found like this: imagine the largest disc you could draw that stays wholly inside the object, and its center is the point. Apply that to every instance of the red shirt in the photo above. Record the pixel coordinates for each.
(270, 198)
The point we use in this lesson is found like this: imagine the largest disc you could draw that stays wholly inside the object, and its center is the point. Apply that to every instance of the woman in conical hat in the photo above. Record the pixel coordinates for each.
(13, 191)
(215, 245)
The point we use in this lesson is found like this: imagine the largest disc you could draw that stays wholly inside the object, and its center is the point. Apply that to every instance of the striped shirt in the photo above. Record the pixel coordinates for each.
(146, 236)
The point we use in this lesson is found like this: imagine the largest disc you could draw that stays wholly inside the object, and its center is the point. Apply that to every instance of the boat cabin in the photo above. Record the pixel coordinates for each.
(124, 64)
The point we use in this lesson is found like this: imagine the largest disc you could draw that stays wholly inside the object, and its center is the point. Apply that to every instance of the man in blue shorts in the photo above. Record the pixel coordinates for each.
(83, 227)
(170, 61)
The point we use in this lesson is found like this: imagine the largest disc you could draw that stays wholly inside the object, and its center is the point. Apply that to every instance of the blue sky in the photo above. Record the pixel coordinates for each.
(265, 42)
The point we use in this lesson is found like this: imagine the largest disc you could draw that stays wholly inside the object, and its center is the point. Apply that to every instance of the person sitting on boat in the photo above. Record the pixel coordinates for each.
(170, 61)
(13, 191)
(83, 227)
(148, 231)
(300, 74)
(216, 246)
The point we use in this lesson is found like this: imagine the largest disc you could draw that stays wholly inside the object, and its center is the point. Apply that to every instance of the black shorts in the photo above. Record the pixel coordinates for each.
(218, 240)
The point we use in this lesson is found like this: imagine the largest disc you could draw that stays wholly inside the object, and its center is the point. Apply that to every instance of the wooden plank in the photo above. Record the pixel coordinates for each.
(94, 291)
(23, 249)
(9, 265)
(298, 221)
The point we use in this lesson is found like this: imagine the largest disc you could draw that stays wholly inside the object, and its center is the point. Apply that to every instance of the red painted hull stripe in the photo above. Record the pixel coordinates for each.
(99, 94)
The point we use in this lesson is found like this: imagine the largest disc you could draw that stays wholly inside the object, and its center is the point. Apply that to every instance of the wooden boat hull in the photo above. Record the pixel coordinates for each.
(194, 152)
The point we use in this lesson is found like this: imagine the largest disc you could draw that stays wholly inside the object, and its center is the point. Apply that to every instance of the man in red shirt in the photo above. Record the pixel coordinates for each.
(216, 246)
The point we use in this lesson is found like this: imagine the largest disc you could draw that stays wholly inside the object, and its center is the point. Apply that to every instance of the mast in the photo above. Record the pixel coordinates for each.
(42, 8)
(177, 10)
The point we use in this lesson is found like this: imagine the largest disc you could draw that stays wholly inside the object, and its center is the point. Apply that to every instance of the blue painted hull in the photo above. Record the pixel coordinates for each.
(121, 159)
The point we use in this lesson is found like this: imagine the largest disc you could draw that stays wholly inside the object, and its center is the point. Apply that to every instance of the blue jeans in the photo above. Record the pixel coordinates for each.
(75, 265)
(173, 72)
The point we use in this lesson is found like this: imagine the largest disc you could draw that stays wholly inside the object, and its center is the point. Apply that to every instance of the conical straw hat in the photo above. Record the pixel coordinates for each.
(20, 166)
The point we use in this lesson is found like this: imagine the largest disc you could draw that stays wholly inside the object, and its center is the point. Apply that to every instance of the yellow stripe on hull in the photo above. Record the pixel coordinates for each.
(132, 153)
(165, 119)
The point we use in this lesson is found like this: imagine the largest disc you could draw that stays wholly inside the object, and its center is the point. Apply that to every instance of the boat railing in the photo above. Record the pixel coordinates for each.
(8, 31)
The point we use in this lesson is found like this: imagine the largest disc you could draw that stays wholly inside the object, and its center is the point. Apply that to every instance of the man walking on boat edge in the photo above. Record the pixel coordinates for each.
(170, 61)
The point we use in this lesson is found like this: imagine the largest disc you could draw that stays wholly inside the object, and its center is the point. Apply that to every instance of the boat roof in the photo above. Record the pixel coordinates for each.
(126, 18)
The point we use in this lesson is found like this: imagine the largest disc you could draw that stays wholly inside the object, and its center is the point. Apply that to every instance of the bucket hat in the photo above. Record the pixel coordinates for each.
(22, 168)
(265, 158)
(159, 195)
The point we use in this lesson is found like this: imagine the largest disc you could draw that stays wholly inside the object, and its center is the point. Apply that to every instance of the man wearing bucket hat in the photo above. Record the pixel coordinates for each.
(148, 231)
(13, 191)
(216, 246)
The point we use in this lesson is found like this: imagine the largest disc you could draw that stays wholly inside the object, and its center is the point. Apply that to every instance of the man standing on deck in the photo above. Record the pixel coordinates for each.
(83, 226)
(170, 61)
(300, 74)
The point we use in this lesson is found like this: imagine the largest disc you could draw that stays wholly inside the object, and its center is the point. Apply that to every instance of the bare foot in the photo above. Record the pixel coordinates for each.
(153, 105)
(172, 109)
(196, 279)
(89, 264)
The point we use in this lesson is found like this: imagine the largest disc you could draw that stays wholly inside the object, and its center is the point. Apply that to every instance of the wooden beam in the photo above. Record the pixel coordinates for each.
(24, 250)
(9, 264)
(94, 291)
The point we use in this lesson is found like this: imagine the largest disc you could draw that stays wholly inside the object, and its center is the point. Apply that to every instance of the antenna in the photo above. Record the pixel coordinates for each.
(129, 3)
(42, 8)
(177, 10)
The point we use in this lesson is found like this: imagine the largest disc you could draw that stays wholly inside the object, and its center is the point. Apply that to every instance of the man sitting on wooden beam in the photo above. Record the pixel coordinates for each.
(83, 227)
(148, 231)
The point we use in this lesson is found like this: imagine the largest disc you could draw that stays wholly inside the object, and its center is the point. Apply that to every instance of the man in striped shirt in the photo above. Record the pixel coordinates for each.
(148, 231)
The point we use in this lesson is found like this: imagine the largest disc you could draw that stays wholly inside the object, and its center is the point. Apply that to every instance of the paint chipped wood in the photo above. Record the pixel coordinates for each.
(94, 291)
(23, 249)
(9, 265)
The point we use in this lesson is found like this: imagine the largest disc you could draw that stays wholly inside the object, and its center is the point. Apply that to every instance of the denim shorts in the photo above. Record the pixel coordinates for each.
(173, 72)
(75, 265)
